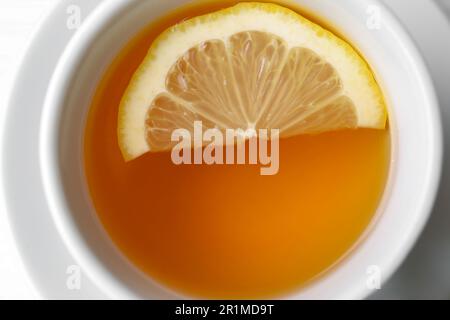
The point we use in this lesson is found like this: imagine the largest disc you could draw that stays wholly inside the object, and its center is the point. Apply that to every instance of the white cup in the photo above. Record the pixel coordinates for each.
(415, 129)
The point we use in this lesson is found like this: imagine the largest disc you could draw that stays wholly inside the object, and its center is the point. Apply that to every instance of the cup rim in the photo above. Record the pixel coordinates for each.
(55, 97)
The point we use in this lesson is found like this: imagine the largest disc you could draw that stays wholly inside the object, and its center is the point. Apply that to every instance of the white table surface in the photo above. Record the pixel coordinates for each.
(18, 20)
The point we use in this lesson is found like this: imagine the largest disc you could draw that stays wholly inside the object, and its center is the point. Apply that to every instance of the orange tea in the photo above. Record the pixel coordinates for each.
(226, 231)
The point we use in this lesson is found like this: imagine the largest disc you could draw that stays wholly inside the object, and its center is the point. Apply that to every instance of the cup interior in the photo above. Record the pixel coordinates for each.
(414, 124)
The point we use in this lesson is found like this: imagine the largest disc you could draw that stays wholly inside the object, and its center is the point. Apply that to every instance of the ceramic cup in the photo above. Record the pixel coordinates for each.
(415, 130)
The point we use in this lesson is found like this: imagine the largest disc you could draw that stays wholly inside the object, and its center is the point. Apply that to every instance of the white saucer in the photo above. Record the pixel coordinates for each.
(40, 246)
(425, 274)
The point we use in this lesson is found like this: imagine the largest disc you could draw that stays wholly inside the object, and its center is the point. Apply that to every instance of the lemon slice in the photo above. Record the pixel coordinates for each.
(251, 66)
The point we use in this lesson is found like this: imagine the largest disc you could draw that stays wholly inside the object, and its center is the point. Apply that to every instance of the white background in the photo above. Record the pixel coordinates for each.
(18, 20)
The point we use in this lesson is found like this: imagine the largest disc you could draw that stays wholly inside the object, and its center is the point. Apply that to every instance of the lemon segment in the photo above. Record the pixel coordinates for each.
(254, 65)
